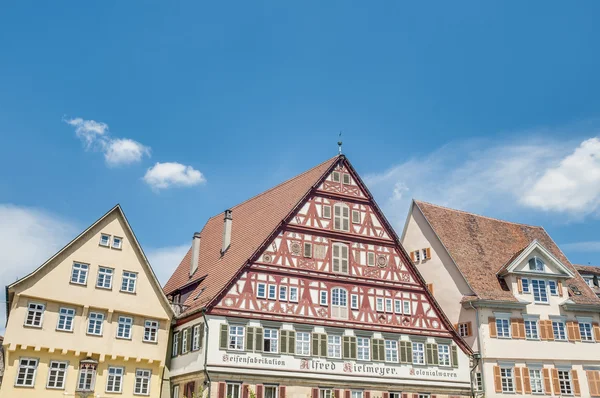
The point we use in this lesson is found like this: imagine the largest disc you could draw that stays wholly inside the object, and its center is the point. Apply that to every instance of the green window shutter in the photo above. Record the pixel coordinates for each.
(454, 356)
(431, 354)
(283, 344)
(291, 342)
(315, 344)
(190, 338)
(352, 347)
(179, 343)
(346, 347)
(224, 336)
(323, 346)
(201, 336)
(381, 350)
(436, 356)
(258, 341)
(405, 352)
(374, 350)
(378, 350)
(249, 339)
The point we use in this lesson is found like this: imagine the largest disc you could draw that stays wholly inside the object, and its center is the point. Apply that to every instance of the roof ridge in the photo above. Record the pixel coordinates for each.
(476, 215)
(278, 185)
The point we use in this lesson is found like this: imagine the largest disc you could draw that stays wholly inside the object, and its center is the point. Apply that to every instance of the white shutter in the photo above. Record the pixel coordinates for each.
(345, 218)
(345, 259)
(336, 257)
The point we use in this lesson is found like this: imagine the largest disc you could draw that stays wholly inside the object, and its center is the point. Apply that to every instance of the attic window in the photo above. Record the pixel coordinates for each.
(575, 290)
(536, 264)
(346, 178)
(335, 176)
(199, 293)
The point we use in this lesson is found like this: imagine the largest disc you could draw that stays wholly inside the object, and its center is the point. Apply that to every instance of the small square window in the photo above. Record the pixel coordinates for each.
(117, 242)
(326, 211)
(104, 240)
(261, 290)
(346, 178)
(323, 297)
(335, 176)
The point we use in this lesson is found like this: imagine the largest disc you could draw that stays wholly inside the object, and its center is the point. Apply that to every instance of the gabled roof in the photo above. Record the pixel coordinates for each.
(480, 246)
(117, 208)
(253, 222)
(587, 269)
(522, 255)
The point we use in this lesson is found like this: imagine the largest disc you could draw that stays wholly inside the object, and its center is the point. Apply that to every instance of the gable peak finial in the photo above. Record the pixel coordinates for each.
(340, 142)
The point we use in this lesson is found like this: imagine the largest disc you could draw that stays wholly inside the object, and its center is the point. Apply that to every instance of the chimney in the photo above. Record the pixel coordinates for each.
(195, 253)
(226, 231)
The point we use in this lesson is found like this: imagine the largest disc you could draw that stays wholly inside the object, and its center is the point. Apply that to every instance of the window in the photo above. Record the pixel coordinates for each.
(142, 382)
(395, 395)
(293, 294)
(391, 351)
(79, 273)
(559, 329)
(272, 292)
(104, 240)
(478, 382)
(334, 346)
(585, 329)
(354, 301)
(196, 337)
(444, 355)
(151, 331)
(323, 297)
(355, 217)
(564, 381)
(371, 259)
(536, 264)
(506, 377)
(95, 321)
(128, 282)
(270, 391)
(340, 258)
(335, 176)
(124, 327)
(424, 252)
(388, 305)
(536, 381)
(282, 293)
(325, 393)
(175, 349)
(339, 303)
(326, 211)
(418, 353)
(552, 287)
(104, 278)
(539, 291)
(26, 373)
(261, 290)
(56, 375)
(346, 180)
(271, 340)
(65, 319)
(175, 391)
(463, 329)
(302, 343)
(423, 396)
(406, 305)
(307, 249)
(531, 329)
(379, 301)
(114, 381)
(417, 255)
(236, 338)
(363, 345)
(87, 378)
(341, 217)
(503, 327)
(233, 390)
(35, 314)
(117, 242)
(525, 284)
(589, 281)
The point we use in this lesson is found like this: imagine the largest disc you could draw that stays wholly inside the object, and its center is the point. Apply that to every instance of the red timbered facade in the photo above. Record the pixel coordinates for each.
(327, 300)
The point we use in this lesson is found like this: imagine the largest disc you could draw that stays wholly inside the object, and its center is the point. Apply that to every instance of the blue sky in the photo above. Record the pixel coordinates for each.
(489, 107)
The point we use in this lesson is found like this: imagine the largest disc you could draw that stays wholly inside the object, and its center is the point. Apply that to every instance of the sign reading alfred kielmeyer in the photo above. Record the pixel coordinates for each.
(345, 367)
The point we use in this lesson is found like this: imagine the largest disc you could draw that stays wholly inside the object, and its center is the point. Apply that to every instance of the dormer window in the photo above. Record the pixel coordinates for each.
(536, 264)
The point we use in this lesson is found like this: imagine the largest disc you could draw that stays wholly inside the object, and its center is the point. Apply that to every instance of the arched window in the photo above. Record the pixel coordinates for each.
(536, 264)
(340, 258)
(339, 303)
(341, 217)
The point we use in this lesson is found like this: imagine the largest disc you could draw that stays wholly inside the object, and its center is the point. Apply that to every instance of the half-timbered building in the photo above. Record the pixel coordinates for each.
(305, 291)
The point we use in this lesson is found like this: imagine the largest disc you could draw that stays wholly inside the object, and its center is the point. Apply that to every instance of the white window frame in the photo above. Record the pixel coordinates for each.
(307, 250)
(326, 393)
(283, 296)
(233, 390)
(346, 179)
(389, 305)
(356, 217)
(586, 331)
(424, 254)
(236, 334)
(379, 304)
(95, 317)
(363, 348)
(391, 350)
(126, 278)
(271, 336)
(107, 274)
(293, 291)
(271, 391)
(151, 331)
(354, 302)
(507, 379)
(339, 258)
(341, 218)
(463, 329)
(526, 287)
(82, 379)
(537, 261)
(339, 303)
(143, 378)
(323, 298)
(559, 329)
(66, 315)
(118, 245)
(77, 270)
(564, 381)
(102, 236)
(264, 290)
(175, 391)
(184, 340)
(335, 176)
(326, 213)
(536, 380)
(417, 255)
(334, 346)
(503, 327)
(30, 367)
(531, 329)
(272, 292)
(303, 343)
(196, 337)
(370, 259)
(33, 310)
(418, 349)
(552, 287)
(444, 357)
(114, 379)
(175, 347)
(478, 382)
(406, 307)
(541, 287)
(397, 306)
(57, 375)
(356, 394)
(124, 327)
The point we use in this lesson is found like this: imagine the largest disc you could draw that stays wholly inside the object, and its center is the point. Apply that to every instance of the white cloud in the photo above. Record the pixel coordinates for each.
(123, 151)
(171, 174)
(117, 151)
(28, 237)
(590, 246)
(164, 260)
(573, 185)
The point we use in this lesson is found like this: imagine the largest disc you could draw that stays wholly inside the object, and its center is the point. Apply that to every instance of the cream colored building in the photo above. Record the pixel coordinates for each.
(90, 321)
(514, 297)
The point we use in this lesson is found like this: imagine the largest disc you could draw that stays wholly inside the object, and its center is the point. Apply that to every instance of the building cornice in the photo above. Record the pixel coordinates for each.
(495, 304)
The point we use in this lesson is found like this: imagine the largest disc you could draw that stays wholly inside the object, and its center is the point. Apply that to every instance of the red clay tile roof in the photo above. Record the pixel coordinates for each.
(480, 246)
(253, 221)
(590, 269)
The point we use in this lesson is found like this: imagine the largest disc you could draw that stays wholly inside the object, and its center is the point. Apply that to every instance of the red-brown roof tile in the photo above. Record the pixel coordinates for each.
(253, 221)
(480, 246)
